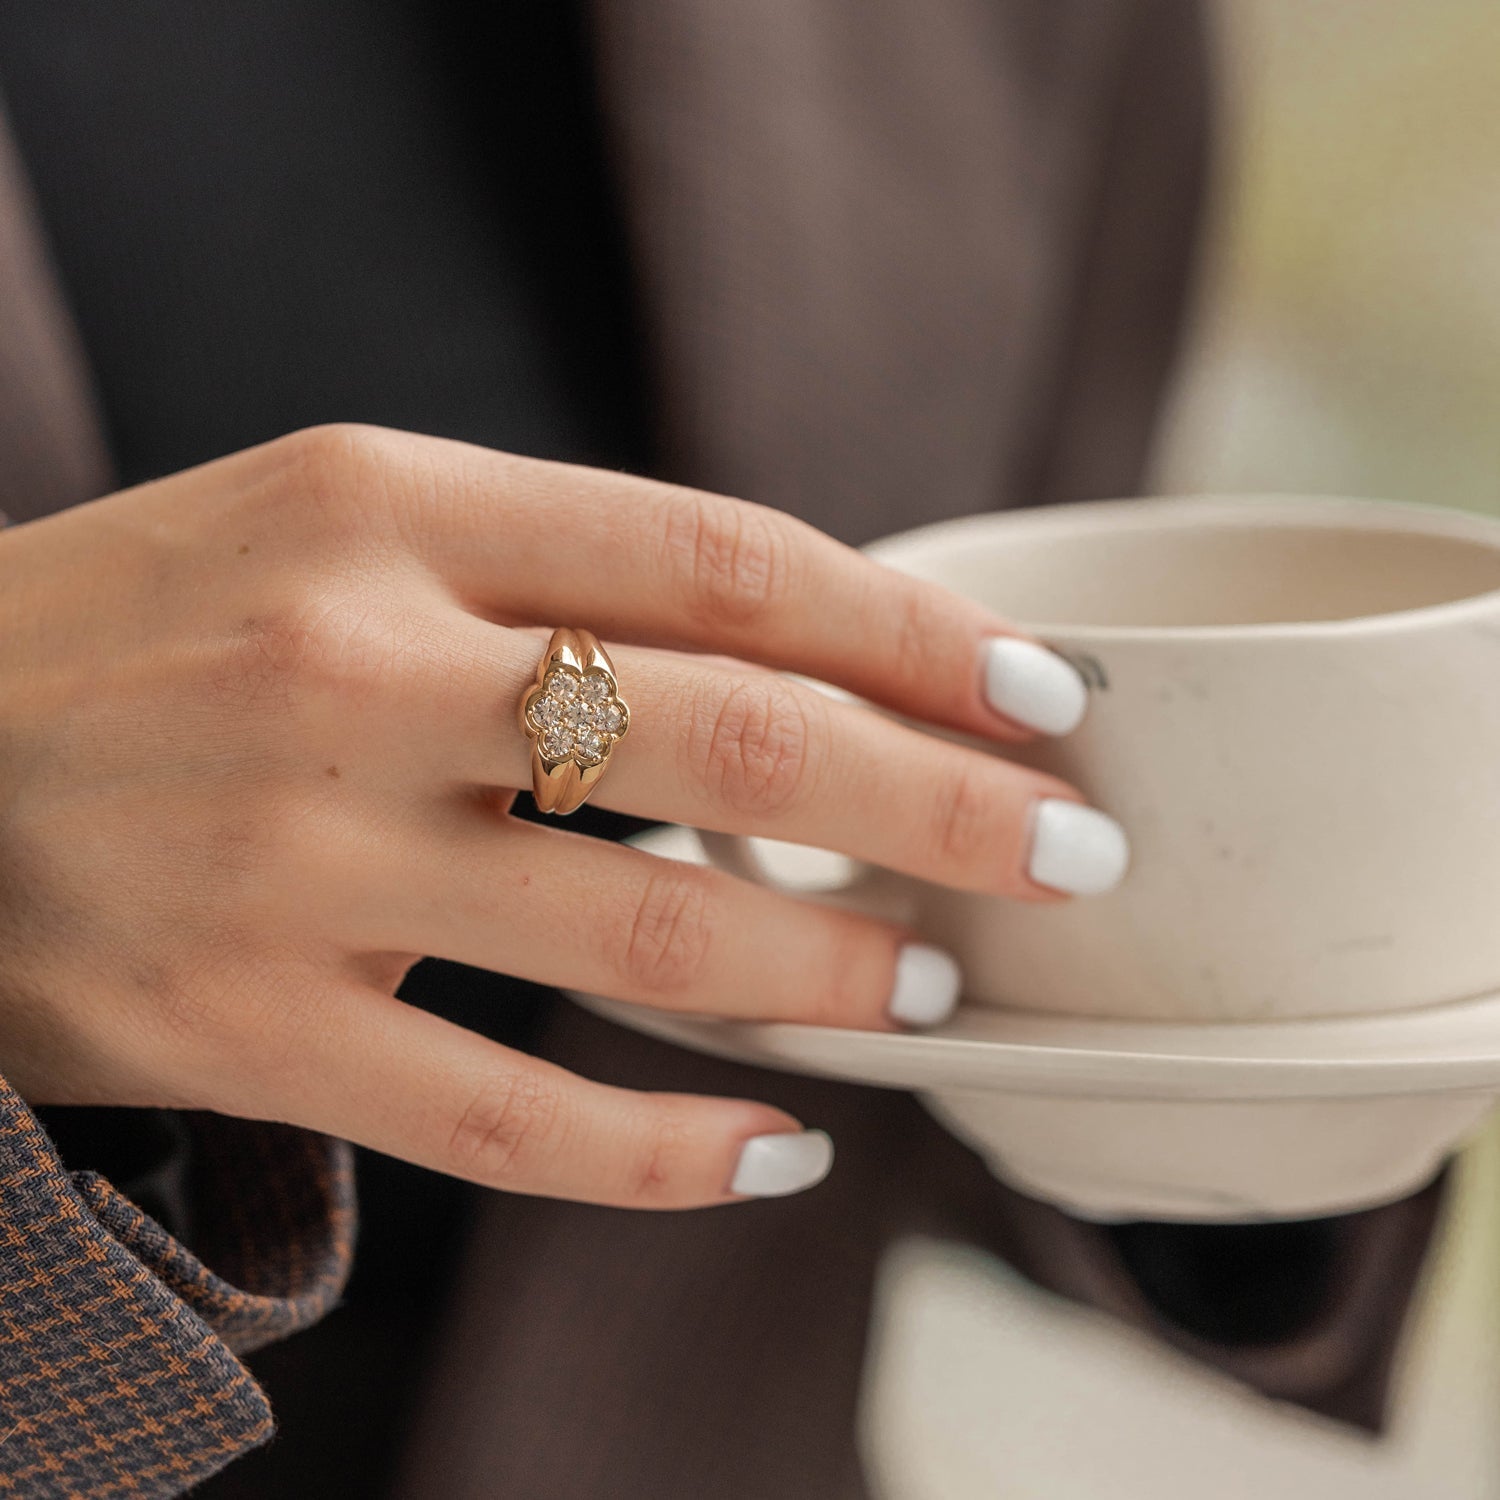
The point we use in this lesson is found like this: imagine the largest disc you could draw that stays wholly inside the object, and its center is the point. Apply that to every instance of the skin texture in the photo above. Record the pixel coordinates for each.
(257, 748)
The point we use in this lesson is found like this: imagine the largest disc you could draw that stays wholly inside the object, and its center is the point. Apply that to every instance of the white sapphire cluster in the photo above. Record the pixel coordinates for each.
(576, 715)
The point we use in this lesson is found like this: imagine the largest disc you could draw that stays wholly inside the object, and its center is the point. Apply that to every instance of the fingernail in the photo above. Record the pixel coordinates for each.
(1076, 849)
(1032, 685)
(926, 988)
(772, 1166)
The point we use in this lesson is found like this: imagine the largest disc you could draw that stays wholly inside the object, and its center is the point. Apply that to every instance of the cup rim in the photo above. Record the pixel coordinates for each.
(1225, 510)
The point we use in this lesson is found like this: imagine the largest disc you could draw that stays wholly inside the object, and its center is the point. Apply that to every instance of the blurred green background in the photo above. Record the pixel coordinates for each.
(1348, 337)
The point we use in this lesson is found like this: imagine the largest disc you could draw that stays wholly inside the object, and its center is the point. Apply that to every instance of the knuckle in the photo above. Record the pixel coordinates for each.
(336, 471)
(669, 933)
(843, 997)
(752, 748)
(318, 644)
(965, 825)
(916, 634)
(324, 460)
(668, 1142)
(276, 652)
(334, 450)
(506, 1128)
(730, 557)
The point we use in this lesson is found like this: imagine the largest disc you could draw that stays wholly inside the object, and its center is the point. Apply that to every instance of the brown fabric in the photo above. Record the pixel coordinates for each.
(906, 261)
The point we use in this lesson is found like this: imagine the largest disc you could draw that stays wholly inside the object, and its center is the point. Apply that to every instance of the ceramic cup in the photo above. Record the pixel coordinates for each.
(1295, 714)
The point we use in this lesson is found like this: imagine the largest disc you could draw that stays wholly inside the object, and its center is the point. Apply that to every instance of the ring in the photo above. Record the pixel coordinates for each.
(573, 716)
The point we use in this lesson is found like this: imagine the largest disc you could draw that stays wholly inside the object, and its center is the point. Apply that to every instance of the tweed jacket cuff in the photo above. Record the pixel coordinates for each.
(118, 1344)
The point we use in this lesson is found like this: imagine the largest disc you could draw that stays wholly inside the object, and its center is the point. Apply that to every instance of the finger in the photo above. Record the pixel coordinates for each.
(526, 541)
(758, 753)
(373, 1070)
(559, 908)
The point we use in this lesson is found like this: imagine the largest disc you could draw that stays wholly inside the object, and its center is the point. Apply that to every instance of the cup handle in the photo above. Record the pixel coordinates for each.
(836, 880)
(734, 853)
(737, 854)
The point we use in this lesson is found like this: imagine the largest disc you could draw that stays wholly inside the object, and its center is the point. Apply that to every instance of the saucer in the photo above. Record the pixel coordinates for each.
(1115, 1120)
(1446, 1048)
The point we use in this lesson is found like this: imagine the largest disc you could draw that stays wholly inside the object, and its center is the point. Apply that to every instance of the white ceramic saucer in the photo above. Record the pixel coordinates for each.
(1150, 1119)
(1439, 1048)
(1447, 1048)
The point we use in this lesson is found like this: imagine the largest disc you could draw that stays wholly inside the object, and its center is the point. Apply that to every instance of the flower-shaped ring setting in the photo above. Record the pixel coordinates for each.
(574, 717)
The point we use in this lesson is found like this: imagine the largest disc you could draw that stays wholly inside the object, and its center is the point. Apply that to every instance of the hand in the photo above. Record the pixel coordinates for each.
(257, 727)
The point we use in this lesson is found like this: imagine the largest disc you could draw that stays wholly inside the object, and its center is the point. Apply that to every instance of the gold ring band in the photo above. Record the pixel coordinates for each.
(574, 716)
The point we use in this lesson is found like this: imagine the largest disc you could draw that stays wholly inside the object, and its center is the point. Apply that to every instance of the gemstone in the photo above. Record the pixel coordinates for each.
(557, 742)
(577, 716)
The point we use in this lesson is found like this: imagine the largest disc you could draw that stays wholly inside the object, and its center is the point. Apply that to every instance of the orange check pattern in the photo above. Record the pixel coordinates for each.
(118, 1344)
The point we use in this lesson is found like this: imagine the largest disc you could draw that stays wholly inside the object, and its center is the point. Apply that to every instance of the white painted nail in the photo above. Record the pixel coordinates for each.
(1032, 685)
(772, 1166)
(926, 988)
(1076, 849)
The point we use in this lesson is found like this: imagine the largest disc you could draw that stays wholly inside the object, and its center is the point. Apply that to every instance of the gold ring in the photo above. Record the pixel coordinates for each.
(573, 716)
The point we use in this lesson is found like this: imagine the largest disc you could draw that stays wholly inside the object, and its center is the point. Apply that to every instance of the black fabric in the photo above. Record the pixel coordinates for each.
(271, 215)
(146, 1153)
(1234, 1284)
